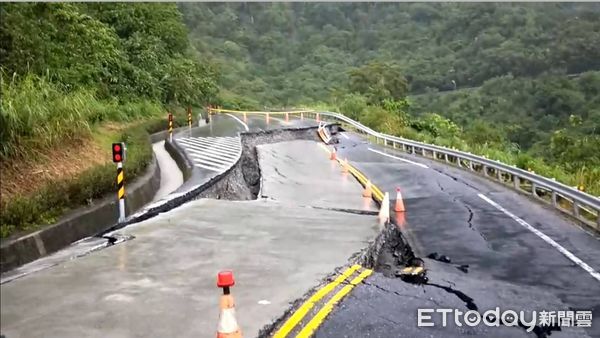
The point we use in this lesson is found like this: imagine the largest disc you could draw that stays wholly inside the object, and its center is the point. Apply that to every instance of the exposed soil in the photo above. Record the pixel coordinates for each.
(26, 176)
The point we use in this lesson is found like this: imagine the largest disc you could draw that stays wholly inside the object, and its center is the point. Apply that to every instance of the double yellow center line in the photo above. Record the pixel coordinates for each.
(377, 193)
(318, 318)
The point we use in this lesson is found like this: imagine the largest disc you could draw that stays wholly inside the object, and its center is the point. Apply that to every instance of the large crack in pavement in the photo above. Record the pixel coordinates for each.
(469, 302)
(456, 199)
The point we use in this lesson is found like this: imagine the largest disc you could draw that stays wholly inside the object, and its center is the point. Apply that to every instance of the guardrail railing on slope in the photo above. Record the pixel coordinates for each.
(578, 204)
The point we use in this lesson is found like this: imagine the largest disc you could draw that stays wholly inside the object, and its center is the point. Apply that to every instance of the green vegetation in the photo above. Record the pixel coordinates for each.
(515, 82)
(68, 68)
(50, 202)
(95, 62)
(294, 53)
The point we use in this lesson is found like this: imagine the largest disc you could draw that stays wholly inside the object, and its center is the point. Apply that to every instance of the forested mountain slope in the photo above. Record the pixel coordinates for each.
(530, 72)
(291, 52)
(76, 77)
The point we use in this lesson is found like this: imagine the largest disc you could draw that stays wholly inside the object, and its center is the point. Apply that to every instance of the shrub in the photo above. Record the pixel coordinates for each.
(30, 212)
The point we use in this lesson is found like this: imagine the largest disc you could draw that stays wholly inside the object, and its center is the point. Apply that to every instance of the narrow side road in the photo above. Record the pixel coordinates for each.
(170, 175)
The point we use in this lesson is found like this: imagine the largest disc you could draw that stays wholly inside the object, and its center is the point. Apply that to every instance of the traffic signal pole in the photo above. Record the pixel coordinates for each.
(121, 191)
(118, 156)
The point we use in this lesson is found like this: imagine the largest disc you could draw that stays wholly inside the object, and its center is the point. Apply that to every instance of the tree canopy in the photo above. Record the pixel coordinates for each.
(119, 50)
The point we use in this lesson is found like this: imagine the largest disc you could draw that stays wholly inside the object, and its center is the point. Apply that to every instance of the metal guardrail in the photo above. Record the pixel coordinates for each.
(580, 205)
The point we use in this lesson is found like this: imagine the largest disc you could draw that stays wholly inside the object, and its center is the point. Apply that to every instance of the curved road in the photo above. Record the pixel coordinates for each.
(478, 223)
(513, 253)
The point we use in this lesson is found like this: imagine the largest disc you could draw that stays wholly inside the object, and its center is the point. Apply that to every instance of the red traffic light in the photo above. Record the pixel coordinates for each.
(118, 152)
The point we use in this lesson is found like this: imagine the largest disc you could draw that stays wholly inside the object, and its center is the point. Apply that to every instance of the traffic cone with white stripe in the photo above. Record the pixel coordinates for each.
(368, 192)
(384, 212)
(228, 326)
(399, 207)
(332, 155)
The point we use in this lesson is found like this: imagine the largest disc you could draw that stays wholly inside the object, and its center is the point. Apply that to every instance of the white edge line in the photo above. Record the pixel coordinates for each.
(240, 121)
(398, 158)
(346, 136)
(547, 239)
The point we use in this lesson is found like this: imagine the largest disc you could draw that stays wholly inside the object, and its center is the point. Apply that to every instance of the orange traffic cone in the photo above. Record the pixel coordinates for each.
(399, 203)
(332, 155)
(368, 192)
(345, 165)
(228, 326)
(384, 212)
(400, 220)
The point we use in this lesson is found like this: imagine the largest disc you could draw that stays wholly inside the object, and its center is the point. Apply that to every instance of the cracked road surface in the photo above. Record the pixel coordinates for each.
(508, 265)
(220, 125)
(162, 282)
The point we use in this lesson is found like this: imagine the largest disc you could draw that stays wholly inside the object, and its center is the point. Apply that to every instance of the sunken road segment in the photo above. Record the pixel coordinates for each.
(162, 282)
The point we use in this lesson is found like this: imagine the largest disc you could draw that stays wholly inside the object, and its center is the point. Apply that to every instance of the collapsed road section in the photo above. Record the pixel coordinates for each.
(162, 283)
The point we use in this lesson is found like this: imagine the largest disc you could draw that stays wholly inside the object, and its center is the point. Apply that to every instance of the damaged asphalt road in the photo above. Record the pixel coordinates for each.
(387, 307)
(480, 257)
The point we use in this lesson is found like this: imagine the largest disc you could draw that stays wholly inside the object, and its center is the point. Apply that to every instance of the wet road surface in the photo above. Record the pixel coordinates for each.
(162, 282)
(220, 126)
(170, 175)
(449, 213)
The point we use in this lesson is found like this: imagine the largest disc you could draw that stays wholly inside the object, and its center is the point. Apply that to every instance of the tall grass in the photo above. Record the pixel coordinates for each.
(36, 114)
(50, 202)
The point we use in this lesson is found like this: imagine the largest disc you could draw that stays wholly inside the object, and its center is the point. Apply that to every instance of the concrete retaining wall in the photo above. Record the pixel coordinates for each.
(80, 223)
(182, 161)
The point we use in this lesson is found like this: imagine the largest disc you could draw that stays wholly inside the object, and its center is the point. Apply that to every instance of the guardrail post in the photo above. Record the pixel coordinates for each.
(446, 156)
(412, 150)
(554, 199)
(403, 147)
(575, 209)
(394, 144)
(485, 172)
(434, 155)
(516, 183)
(458, 162)
(533, 189)
(471, 165)
(499, 175)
